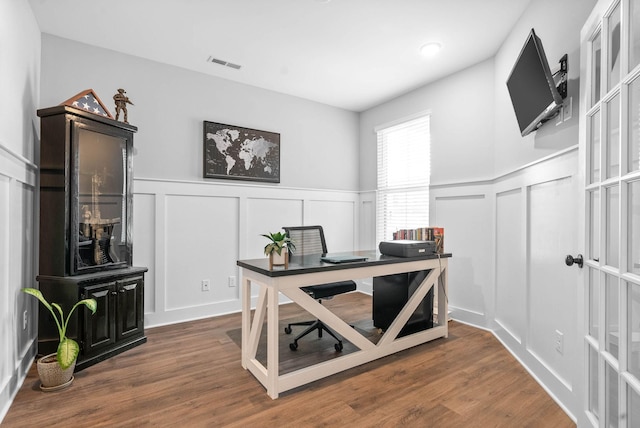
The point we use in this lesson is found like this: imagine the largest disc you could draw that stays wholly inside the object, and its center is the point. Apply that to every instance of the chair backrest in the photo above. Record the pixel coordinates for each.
(307, 239)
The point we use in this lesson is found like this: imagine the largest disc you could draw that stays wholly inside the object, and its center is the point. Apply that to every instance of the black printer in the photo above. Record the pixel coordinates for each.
(407, 248)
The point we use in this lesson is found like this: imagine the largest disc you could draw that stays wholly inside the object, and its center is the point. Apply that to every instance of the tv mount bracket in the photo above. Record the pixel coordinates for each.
(562, 72)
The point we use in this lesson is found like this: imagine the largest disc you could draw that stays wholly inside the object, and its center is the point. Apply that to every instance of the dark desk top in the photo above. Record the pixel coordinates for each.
(311, 263)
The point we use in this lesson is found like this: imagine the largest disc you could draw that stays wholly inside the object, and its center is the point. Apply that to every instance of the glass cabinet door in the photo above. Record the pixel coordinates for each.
(102, 206)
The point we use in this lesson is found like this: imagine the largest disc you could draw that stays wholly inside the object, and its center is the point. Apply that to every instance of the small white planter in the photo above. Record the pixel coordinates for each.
(281, 259)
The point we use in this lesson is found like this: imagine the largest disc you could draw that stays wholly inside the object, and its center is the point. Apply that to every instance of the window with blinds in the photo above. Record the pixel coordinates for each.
(404, 170)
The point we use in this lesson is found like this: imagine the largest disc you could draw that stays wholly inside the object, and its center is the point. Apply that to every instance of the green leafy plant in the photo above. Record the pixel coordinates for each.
(279, 241)
(68, 349)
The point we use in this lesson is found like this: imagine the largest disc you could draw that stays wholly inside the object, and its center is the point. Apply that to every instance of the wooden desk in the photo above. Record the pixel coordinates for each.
(309, 270)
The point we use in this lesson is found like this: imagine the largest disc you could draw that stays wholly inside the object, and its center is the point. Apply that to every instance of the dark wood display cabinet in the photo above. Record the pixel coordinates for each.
(86, 244)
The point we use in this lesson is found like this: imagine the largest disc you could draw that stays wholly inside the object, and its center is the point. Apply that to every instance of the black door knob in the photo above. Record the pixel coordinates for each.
(570, 260)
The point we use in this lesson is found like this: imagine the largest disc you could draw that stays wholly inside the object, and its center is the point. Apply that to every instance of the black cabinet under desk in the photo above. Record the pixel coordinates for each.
(391, 293)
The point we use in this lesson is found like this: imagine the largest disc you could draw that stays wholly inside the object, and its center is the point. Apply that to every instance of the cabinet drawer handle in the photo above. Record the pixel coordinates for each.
(113, 293)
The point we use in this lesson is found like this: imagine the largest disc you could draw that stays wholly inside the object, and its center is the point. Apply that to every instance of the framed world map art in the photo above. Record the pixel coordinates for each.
(238, 153)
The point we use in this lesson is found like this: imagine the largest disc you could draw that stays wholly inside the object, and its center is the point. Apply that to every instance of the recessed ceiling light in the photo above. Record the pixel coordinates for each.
(430, 49)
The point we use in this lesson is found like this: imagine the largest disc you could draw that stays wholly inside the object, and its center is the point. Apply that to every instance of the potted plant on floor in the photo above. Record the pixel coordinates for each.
(278, 249)
(56, 370)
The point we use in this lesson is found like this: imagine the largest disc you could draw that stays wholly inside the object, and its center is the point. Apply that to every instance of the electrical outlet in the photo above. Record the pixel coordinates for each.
(232, 281)
(24, 320)
(559, 342)
(206, 285)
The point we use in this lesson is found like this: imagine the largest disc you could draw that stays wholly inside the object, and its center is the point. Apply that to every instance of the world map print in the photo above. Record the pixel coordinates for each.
(241, 153)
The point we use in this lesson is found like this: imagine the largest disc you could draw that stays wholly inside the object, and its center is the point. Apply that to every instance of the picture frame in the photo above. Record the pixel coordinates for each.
(238, 153)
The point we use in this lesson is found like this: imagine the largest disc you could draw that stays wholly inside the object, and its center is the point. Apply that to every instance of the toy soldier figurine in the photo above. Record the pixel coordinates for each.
(121, 103)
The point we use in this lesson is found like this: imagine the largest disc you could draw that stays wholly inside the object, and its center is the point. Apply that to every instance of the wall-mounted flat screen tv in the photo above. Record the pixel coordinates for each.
(531, 86)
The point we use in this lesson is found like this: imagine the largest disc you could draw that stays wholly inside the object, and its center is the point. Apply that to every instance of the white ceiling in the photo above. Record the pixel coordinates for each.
(352, 54)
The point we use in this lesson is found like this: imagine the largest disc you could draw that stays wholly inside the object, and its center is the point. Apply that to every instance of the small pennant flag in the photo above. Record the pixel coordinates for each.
(89, 102)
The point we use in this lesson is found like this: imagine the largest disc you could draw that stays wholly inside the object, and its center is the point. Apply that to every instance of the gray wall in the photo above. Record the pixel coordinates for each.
(461, 107)
(318, 143)
(475, 134)
(19, 90)
(558, 24)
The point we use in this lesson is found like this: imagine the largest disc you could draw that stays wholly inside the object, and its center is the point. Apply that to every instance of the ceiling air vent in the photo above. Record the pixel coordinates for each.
(225, 63)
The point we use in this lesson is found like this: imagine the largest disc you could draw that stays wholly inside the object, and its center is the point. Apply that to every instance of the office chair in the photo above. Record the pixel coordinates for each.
(310, 240)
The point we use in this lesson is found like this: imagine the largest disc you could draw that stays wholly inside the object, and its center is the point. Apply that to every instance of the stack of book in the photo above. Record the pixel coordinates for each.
(435, 234)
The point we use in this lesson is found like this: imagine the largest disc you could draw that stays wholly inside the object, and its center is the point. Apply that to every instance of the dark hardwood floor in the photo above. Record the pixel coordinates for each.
(190, 375)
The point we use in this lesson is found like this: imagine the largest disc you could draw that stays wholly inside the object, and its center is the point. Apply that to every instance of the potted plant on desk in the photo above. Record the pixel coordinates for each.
(56, 370)
(278, 249)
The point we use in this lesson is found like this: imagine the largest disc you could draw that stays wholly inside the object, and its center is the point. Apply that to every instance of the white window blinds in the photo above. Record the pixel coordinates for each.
(404, 169)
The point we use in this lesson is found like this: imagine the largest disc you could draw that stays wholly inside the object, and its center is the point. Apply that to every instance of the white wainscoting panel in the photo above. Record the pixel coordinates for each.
(186, 232)
(6, 312)
(201, 244)
(21, 261)
(468, 236)
(144, 243)
(511, 264)
(532, 213)
(18, 246)
(552, 296)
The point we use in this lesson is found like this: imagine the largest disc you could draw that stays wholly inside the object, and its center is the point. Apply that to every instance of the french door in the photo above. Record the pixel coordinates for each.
(610, 146)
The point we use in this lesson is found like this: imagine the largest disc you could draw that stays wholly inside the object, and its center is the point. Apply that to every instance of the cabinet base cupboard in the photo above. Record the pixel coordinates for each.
(118, 323)
(86, 242)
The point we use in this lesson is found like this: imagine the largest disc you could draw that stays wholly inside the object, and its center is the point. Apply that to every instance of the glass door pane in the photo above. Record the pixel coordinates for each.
(634, 125)
(634, 34)
(611, 405)
(634, 153)
(593, 382)
(633, 329)
(613, 137)
(613, 60)
(594, 148)
(612, 226)
(633, 245)
(633, 407)
(596, 69)
(612, 327)
(594, 227)
(594, 303)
